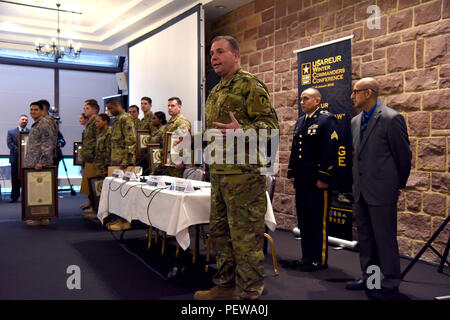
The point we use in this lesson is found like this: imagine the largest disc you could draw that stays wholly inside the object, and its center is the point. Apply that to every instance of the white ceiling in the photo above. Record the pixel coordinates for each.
(105, 26)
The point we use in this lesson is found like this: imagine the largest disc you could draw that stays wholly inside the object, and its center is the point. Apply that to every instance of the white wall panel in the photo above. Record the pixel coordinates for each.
(19, 86)
(75, 88)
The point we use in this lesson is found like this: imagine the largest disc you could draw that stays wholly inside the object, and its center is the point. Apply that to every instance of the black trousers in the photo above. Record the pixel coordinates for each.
(15, 181)
(312, 212)
(377, 239)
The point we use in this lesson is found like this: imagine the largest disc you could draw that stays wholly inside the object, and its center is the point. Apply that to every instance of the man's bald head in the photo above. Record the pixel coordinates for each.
(369, 84)
(365, 93)
(314, 93)
(310, 100)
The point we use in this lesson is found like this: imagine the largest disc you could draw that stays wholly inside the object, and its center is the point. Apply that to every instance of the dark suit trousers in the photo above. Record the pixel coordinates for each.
(377, 238)
(15, 182)
(312, 212)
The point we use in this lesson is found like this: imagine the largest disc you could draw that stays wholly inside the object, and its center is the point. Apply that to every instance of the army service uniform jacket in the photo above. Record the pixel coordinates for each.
(314, 150)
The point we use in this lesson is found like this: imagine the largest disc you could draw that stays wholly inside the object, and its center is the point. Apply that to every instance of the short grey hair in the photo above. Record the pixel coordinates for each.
(232, 41)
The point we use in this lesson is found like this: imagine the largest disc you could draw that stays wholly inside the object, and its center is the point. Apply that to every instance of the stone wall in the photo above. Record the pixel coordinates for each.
(410, 56)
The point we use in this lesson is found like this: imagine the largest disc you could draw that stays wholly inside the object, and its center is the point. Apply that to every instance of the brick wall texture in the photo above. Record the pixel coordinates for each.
(409, 55)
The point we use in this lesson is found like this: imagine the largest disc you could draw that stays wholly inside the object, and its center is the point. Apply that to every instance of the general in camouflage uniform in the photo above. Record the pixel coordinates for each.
(103, 146)
(238, 191)
(40, 147)
(177, 123)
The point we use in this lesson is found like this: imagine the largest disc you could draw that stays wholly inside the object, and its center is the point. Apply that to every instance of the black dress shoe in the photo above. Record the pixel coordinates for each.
(12, 200)
(313, 266)
(294, 264)
(359, 284)
(383, 294)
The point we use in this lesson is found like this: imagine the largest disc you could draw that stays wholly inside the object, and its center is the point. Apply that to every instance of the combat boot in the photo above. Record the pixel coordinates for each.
(121, 225)
(216, 293)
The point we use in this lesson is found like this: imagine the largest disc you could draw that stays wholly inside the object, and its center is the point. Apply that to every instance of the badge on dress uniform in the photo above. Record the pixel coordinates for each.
(312, 129)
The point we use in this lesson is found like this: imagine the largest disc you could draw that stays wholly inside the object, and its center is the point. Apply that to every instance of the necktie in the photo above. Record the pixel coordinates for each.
(365, 121)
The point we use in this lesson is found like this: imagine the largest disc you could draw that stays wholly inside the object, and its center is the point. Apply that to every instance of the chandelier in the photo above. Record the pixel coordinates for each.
(54, 49)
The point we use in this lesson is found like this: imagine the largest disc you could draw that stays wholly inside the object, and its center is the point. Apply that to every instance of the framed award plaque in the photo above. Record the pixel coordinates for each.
(95, 187)
(23, 143)
(143, 140)
(155, 156)
(39, 193)
(169, 149)
(77, 159)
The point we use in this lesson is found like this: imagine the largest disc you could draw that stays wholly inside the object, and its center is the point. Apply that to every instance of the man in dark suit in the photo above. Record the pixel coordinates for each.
(311, 167)
(381, 166)
(13, 144)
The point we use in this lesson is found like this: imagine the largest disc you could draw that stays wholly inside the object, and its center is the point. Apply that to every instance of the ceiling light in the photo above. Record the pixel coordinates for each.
(54, 49)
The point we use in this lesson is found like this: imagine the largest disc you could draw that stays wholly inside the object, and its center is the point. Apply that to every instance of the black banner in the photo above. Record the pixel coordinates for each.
(328, 68)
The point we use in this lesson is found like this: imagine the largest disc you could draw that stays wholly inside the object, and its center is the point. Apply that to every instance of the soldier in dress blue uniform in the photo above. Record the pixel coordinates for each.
(311, 165)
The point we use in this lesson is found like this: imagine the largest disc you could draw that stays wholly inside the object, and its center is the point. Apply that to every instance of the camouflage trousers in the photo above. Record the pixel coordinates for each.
(238, 207)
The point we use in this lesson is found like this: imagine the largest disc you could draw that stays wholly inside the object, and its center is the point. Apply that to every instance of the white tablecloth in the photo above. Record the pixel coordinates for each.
(170, 211)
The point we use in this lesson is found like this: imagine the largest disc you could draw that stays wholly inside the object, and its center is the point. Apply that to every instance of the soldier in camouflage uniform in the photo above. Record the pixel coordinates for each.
(91, 109)
(83, 121)
(179, 124)
(158, 123)
(123, 149)
(123, 136)
(52, 121)
(157, 135)
(102, 158)
(40, 147)
(145, 124)
(146, 121)
(239, 101)
(133, 111)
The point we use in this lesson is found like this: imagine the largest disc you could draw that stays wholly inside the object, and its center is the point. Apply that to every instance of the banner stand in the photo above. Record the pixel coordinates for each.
(328, 68)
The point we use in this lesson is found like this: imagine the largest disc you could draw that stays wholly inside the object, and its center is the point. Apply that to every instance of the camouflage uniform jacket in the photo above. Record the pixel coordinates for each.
(157, 136)
(88, 150)
(103, 151)
(248, 98)
(123, 140)
(83, 135)
(40, 148)
(137, 123)
(146, 123)
(178, 122)
(54, 126)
